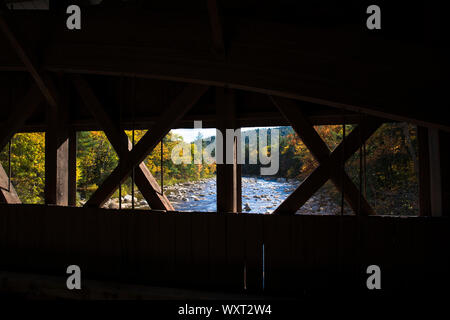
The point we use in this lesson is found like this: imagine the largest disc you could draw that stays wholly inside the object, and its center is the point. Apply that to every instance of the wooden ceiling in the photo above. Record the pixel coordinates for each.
(320, 54)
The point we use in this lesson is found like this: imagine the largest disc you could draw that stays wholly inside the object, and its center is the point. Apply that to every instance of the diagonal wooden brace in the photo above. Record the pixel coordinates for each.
(321, 152)
(56, 177)
(42, 80)
(330, 165)
(144, 180)
(19, 114)
(174, 113)
(7, 192)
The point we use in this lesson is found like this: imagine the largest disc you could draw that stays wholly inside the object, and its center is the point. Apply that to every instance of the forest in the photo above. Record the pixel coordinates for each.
(385, 169)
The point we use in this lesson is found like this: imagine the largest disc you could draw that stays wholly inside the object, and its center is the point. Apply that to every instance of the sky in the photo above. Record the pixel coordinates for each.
(189, 135)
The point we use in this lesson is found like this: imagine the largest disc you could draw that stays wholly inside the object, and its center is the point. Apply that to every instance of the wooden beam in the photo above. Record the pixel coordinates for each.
(7, 192)
(182, 103)
(72, 167)
(424, 172)
(333, 164)
(56, 162)
(57, 151)
(444, 141)
(237, 179)
(42, 80)
(321, 153)
(264, 57)
(227, 175)
(435, 172)
(60, 5)
(256, 119)
(216, 27)
(144, 180)
(19, 114)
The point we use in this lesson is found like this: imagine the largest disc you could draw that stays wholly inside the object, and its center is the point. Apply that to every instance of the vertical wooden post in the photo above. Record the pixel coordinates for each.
(424, 172)
(444, 140)
(238, 188)
(435, 172)
(72, 200)
(228, 175)
(57, 154)
(56, 162)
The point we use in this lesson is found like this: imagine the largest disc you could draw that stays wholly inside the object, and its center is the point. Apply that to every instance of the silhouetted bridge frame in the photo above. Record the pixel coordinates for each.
(227, 86)
(255, 72)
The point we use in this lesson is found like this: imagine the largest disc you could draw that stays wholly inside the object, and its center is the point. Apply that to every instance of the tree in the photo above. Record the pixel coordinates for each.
(27, 166)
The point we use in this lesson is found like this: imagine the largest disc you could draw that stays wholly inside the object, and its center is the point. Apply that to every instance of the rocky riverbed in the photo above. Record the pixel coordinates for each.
(259, 195)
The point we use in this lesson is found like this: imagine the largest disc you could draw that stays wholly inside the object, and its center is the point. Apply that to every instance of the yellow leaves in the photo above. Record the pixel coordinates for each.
(28, 165)
(285, 149)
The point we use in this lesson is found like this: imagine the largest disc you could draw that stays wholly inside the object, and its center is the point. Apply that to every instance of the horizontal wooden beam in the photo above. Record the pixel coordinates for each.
(331, 94)
(248, 119)
(311, 64)
(281, 59)
(181, 104)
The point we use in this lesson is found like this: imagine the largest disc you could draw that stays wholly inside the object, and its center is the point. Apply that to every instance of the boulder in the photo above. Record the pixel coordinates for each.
(128, 199)
(113, 205)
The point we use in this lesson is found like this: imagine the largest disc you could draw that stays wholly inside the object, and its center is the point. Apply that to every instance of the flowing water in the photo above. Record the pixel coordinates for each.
(258, 195)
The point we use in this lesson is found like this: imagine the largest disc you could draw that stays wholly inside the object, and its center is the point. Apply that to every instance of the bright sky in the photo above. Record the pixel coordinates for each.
(189, 135)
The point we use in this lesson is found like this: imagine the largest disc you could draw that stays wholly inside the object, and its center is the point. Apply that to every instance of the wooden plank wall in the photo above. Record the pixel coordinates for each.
(224, 252)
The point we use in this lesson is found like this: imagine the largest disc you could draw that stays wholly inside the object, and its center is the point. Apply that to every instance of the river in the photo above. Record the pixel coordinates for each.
(259, 195)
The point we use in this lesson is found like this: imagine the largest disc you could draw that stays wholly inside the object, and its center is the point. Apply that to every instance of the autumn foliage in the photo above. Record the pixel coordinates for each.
(386, 168)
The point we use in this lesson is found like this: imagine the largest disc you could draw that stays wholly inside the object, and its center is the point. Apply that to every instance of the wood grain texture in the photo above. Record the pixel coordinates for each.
(303, 254)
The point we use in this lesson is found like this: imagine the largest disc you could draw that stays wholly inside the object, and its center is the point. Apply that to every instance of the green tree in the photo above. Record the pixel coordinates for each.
(27, 166)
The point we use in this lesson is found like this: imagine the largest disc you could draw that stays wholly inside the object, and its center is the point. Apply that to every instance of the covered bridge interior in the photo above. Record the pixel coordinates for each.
(160, 65)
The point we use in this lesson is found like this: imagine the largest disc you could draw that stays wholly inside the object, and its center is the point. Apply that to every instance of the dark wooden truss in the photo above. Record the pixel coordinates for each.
(229, 70)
